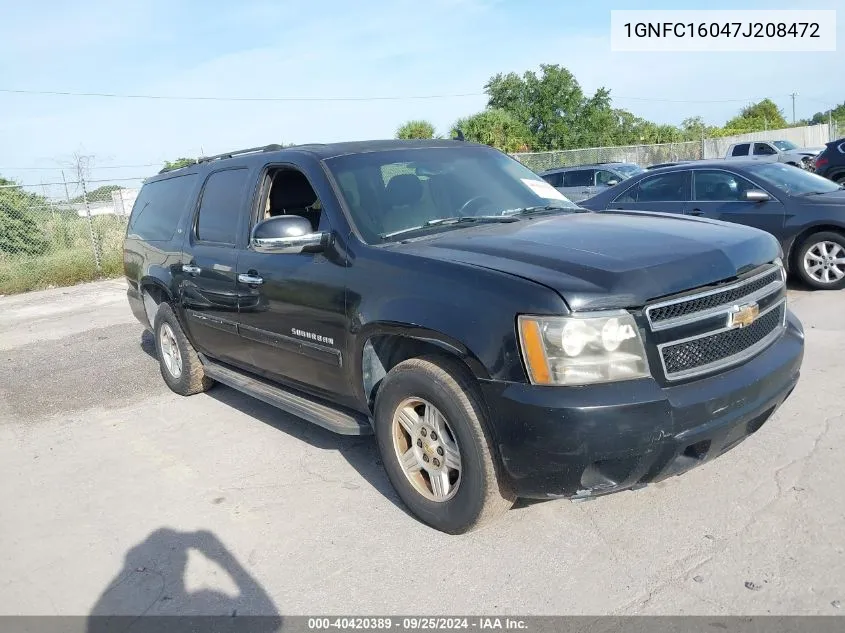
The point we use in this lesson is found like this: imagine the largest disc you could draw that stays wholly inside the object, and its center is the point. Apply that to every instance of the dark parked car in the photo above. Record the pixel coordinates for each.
(498, 340)
(831, 162)
(582, 181)
(804, 211)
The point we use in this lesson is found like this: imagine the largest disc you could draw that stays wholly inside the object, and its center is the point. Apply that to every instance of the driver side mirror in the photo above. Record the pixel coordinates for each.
(756, 195)
(611, 183)
(287, 234)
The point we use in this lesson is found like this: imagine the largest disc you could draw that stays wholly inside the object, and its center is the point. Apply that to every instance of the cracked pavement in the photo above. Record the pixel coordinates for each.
(122, 497)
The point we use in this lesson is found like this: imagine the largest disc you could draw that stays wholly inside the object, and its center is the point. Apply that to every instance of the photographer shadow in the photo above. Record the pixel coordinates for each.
(150, 590)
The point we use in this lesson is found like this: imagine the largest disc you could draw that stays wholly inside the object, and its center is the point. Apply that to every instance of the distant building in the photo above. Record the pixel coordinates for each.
(120, 204)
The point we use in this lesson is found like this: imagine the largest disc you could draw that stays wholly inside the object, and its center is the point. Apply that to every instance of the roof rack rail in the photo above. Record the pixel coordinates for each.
(249, 150)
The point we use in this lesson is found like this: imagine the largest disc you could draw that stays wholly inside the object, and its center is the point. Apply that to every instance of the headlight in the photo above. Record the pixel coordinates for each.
(779, 263)
(580, 350)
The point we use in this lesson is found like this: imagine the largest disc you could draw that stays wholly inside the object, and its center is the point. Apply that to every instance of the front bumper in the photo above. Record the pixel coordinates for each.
(586, 441)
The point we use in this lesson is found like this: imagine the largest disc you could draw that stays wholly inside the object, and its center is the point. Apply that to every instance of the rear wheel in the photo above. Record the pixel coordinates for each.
(821, 261)
(178, 361)
(430, 427)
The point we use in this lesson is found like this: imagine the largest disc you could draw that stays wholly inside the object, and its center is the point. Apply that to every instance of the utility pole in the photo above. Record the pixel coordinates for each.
(67, 193)
(793, 95)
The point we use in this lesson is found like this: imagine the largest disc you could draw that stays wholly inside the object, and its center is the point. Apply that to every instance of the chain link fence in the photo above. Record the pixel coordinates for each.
(59, 241)
(646, 155)
(639, 154)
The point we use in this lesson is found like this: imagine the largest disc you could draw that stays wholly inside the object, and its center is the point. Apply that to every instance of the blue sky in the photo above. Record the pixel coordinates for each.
(284, 48)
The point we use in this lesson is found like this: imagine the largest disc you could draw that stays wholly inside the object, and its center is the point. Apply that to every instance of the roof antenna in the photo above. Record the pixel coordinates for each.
(459, 135)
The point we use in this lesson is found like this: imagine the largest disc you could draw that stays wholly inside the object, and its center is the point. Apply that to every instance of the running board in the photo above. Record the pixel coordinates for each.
(302, 406)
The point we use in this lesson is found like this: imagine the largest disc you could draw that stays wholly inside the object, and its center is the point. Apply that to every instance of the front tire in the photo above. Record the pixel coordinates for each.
(820, 261)
(430, 428)
(178, 361)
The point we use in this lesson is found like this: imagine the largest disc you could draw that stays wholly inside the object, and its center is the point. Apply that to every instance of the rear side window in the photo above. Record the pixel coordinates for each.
(158, 208)
(221, 205)
(763, 149)
(671, 187)
(741, 149)
(578, 178)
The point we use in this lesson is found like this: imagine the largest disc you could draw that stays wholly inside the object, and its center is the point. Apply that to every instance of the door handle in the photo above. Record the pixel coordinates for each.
(251, 280)
(191, 269)
(696, 212)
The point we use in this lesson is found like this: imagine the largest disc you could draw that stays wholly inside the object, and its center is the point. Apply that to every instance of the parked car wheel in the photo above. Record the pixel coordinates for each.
(821, 261)
(178, 361)
(431, 432)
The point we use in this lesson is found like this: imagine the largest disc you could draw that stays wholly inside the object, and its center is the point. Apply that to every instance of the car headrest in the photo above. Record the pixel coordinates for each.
(291, 190)
(404, 189)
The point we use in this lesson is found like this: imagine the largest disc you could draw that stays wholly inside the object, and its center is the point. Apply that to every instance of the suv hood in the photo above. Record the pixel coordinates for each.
(609, 259)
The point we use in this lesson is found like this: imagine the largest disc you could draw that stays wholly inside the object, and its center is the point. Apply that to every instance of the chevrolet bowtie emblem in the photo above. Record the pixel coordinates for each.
(744, 315)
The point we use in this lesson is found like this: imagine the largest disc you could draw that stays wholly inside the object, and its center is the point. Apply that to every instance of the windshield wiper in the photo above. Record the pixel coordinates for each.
(539, 209)
(463, 219)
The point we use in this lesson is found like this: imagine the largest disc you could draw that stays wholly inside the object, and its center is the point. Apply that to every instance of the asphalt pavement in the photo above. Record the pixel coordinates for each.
(120, 497)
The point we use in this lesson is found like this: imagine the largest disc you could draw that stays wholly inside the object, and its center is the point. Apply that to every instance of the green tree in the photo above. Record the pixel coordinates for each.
(549, 105)
(497, 128)
(415, 129)
(837, 114)
(19, 232)
(763, 115)
(179, 163)
(99, 194)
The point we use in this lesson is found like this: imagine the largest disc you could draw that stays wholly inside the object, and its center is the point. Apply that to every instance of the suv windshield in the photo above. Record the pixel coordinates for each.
(785, 146)
(395, 192)
(793, 180)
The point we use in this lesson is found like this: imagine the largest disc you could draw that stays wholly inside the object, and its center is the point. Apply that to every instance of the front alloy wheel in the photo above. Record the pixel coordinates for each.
(825, 262)
(427, 449)
(821, 261)
(431, 426)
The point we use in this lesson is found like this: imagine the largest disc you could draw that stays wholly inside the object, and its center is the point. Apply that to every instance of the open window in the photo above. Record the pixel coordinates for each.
(287, 191)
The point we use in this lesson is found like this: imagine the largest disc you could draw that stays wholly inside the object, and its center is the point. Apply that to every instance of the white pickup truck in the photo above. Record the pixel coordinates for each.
(775, 152)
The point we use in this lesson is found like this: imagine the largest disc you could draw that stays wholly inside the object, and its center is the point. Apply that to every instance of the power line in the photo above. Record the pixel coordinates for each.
(113, 95)
(93, 167)
(657, 100)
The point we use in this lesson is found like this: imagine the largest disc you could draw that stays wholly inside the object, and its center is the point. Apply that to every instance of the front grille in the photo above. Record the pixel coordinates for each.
(684, 308)
(696, 333)
(691, 355)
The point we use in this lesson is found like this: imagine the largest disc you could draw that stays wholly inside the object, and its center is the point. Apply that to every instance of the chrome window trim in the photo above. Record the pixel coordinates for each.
(728, 361)
(698, 315)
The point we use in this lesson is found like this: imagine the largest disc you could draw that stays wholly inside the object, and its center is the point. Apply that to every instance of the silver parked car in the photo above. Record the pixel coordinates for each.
(774, 152)
(584, 181)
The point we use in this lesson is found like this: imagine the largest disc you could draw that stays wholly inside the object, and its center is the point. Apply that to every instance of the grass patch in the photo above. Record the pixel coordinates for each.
(70, 258)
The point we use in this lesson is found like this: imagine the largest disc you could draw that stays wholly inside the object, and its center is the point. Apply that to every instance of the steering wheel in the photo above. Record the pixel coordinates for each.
(475, 201)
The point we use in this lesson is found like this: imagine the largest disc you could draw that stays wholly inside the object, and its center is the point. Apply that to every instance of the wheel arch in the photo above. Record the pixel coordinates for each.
(801, 237)
(382, 346)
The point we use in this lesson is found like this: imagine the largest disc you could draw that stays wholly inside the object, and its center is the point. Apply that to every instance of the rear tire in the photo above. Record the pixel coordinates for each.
(178, 361)
(820, 261)
(450, 482)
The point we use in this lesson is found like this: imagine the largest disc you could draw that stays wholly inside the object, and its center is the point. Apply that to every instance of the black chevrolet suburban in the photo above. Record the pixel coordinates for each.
(498, 340)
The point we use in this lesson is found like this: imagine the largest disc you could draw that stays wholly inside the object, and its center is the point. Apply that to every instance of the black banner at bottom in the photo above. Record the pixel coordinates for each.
(438, 624)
